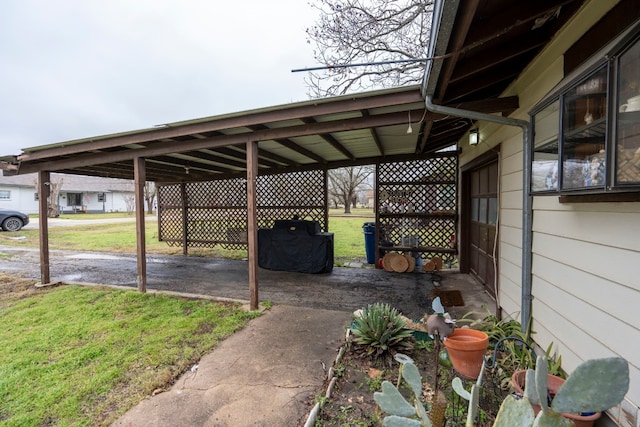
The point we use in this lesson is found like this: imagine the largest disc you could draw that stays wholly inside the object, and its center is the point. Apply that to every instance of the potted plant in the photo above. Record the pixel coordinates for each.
(595, 385)
(467, 348)
(585, 419)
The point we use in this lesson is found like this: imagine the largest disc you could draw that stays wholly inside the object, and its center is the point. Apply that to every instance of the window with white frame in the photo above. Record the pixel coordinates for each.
(5, 194)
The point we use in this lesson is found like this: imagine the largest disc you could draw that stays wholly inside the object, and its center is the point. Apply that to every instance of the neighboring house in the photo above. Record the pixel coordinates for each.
(370, 198)
(568, 251)
(78, 193)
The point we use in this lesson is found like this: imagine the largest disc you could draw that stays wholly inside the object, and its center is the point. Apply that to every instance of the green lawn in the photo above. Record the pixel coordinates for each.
(121, 237)
(81, 356)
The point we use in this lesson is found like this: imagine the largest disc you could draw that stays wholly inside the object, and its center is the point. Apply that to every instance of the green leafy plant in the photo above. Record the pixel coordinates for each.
(374, 383)
(424, 345)
(380, 329)
(513, 348)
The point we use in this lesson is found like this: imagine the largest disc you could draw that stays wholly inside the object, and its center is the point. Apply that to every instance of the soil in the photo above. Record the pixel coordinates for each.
(351, 402)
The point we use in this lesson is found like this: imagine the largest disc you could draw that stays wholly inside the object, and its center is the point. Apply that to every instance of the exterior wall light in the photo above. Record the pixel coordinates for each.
(474, 136)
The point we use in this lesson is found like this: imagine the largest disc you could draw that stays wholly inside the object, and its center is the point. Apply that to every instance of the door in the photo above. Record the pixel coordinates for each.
(482, 221)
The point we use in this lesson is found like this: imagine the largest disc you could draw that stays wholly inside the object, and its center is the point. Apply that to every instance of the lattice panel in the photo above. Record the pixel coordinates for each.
(417, 205)
(286, 195)
(170, 214)
(216, 212)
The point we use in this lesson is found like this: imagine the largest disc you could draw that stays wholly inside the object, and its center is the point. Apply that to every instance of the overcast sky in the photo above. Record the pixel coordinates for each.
(73, 69)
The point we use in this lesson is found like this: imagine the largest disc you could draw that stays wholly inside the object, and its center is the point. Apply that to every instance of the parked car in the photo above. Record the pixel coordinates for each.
(13, 220)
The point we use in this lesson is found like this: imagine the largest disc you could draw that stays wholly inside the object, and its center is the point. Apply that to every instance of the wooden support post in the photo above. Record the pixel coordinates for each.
(325, 198)
(185, 219)
(44, 191)
(252, 222)
(140, 177)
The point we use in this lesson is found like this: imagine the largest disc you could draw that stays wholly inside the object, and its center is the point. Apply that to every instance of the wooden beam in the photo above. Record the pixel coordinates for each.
(483, 81)
(190, 165)
(456, 43)
(252, 222)
(332, 141)
(160, 148)
(300, 150)
(291, 145)
(374, 134)
(276, 158)
(230, 152)
(141, 249)
(469, 67)
(44, 191)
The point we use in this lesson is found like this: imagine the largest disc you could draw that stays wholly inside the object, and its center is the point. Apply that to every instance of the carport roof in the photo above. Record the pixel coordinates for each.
(322, 133)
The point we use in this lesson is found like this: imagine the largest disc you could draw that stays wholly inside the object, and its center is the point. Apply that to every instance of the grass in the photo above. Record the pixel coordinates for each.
(121, 237)
(80, 356)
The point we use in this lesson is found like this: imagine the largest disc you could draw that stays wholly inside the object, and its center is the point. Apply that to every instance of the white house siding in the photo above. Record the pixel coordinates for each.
(585, 256)
(23, 190)
(22, 199)
(114, 201)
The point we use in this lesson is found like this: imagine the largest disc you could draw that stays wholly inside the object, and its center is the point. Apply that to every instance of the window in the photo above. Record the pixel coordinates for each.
(5, 195)
(74, 199)
(628, 123)
(35, 197)
(545, 148)
(591, 124)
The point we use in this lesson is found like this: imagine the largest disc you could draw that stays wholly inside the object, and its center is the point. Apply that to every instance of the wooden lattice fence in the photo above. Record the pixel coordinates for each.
(417, 205)
(210, 213)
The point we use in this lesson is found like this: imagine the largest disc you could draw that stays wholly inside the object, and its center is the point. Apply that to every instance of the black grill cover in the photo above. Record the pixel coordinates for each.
(295, 246)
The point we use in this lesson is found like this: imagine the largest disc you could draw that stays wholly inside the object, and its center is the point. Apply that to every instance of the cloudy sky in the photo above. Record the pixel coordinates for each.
(73, 69)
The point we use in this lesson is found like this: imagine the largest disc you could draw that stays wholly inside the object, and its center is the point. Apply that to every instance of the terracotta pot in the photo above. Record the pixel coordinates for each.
(554, 383)
(466, 348)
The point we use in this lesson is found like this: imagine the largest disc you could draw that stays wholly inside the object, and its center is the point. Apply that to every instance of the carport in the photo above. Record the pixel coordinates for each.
(479, 52)
(296, 138)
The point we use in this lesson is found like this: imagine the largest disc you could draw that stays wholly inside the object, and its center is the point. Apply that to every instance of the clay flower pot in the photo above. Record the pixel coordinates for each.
(466, 348)
(553, 385)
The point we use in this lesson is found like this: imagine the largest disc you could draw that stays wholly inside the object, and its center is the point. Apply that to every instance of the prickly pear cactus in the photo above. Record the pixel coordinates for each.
(515, 412)
(552, 419)
(392, 402)
(596, 385)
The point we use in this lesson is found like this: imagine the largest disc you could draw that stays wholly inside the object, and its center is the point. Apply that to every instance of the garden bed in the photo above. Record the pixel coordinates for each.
(351, 401)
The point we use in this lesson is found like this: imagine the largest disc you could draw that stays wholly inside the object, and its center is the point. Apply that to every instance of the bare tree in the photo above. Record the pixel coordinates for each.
(55, 185)
(150, 192)
(391, 36)
(344, 183)
(129, 202)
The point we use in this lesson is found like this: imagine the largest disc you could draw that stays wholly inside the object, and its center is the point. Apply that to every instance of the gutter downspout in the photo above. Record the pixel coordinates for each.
(527, 201)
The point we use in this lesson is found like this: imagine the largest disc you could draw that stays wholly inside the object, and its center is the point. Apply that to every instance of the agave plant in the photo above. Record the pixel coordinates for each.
(380, 329)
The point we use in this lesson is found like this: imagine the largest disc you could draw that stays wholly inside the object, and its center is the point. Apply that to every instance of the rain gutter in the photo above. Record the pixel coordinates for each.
(443, 24)
(527, 200)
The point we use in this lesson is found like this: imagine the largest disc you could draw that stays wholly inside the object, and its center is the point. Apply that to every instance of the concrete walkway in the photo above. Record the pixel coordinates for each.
(264, 375)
